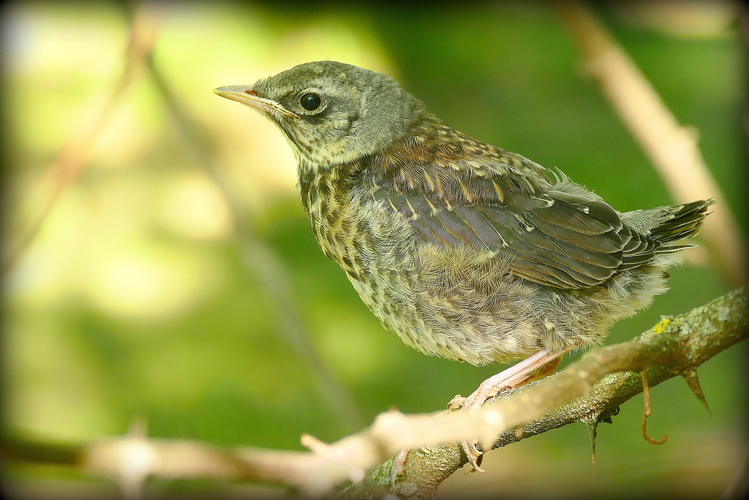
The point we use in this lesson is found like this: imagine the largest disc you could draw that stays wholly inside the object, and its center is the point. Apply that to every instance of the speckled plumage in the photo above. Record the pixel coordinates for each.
(463, 249)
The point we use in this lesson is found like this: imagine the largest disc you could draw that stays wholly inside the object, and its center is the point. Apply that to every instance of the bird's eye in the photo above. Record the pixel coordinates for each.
(310, 101)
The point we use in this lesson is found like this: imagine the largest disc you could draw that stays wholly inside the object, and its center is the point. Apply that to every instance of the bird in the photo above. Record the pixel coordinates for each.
(465, 250)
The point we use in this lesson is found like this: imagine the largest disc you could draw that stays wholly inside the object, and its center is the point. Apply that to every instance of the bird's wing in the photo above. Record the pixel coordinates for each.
(561, 239)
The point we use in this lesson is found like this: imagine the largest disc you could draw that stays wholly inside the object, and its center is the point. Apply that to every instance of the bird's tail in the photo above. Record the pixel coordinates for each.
(668, 227)
(678, 223)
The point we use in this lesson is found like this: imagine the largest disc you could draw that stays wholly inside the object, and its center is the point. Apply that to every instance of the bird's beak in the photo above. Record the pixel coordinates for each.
(246, 95)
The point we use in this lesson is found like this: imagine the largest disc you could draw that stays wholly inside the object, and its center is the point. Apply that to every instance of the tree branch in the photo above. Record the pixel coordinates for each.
(589, 390)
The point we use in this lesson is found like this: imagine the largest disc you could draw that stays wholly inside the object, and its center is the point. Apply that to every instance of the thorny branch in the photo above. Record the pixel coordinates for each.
(589, 390)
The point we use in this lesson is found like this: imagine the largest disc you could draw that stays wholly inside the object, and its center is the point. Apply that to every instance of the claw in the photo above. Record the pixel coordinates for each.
(399, 463)
(473, 455)
(456, 403)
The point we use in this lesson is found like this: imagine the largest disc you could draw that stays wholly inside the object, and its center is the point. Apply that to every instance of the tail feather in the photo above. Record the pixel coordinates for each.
(674, 248)
(680, 222)
(661, 231)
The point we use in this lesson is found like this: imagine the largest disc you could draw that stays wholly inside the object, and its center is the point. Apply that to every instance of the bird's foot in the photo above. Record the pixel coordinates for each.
(475, 400)
(539, 365)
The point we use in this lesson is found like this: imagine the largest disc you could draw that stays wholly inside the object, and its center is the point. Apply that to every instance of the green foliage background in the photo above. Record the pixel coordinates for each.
(139, 296)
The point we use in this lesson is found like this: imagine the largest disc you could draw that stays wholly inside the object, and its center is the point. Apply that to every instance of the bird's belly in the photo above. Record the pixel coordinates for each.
(456, 305)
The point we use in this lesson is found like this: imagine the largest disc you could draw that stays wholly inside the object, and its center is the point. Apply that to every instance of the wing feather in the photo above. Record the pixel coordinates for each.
(548, 236)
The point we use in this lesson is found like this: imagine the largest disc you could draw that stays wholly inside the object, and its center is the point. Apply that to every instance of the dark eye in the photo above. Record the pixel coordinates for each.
(310, 101)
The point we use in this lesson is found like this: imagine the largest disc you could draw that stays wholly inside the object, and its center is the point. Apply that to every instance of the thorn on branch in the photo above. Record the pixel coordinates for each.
(593, 433)
(693, 382)
(313, 444)
(606, 415)
(647, 412)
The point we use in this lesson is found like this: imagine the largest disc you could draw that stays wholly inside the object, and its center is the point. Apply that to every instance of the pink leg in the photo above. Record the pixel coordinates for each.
(539, 365)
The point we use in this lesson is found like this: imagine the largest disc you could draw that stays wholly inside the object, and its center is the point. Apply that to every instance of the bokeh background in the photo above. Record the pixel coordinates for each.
(176, 278)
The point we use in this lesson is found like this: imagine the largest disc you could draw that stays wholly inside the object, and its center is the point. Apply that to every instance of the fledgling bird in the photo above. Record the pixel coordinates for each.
(463, 249)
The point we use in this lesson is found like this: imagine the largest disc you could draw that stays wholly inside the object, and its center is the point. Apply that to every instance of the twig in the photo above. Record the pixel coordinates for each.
(647, 411)
(672, 148)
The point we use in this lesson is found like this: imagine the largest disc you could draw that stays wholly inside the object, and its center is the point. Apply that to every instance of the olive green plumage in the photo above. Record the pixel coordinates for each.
(463, 249)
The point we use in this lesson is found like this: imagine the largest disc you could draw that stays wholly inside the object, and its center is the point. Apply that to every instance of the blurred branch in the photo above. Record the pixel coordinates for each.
(260, 259)
(145, 21)
(672, 148)
(74, 155)
(589, 390)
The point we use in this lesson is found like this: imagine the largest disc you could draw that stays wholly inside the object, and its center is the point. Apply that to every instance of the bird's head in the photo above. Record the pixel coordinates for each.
(331, 112)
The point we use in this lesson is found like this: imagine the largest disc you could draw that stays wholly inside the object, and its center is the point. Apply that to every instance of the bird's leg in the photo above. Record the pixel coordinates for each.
(537, 366)
(540, 365)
